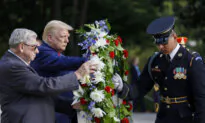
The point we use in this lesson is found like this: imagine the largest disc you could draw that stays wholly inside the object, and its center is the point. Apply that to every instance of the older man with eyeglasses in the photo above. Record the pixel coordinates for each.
(26, 97)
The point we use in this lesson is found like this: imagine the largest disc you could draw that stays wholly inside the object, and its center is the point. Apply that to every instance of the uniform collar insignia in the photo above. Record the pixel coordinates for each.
(161, 55)
(179, 54)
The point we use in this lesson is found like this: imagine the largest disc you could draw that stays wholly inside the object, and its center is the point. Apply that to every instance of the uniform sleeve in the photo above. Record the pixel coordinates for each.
(144, 83)
(197, 80)
(24, 80)
(124, 94)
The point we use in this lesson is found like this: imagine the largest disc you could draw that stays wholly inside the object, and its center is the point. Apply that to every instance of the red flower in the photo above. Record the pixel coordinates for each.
(124, 102)
(84, 85)
(94, 54)
(125, 120)
(108, 89)
(97, 120)
(130, 108)
(107, 41)
(112, 54)
(125, 53)
(116, 42)
(126, 72)
(83, 101)
(119, 39)
(113, 92)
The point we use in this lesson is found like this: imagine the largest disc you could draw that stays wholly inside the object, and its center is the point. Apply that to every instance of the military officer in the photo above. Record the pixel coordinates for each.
(177, 74)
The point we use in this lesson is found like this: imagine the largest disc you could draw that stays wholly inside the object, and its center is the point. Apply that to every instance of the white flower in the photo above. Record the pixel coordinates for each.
(81, 90)
(117, 119)
(88, 33)
(75, 100)
(97, 112)
(77, 94)
(102, 34)
(93, 48)
(125, 78)
(85, 80)
(99, 77)
(97, 95)
(101, 42)
(96, 60)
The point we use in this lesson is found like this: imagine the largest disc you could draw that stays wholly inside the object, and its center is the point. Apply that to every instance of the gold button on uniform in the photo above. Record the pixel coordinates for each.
(168, 106)
(165, 89)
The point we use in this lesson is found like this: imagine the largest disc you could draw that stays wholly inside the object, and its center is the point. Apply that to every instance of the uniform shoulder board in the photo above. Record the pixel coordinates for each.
(195, 56)
(155, 54)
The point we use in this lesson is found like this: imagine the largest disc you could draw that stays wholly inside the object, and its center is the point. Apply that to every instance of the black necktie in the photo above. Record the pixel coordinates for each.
(168, 58)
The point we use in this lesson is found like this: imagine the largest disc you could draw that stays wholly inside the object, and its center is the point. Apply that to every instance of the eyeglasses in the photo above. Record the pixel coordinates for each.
(33, 46)
(161, 40)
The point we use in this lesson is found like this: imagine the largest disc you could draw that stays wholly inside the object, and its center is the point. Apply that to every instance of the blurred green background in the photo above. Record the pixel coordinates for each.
(128, 18)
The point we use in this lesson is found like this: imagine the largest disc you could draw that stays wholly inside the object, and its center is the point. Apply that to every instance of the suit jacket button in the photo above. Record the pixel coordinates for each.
(165, 78)
(165, 89)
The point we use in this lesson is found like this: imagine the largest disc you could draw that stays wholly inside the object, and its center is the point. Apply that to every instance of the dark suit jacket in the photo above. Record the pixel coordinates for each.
(25, 97)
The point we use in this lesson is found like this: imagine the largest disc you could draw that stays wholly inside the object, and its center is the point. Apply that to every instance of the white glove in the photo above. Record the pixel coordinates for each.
(117, 81)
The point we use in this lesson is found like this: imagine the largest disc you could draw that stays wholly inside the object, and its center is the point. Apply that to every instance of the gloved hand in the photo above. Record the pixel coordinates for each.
(117, 81)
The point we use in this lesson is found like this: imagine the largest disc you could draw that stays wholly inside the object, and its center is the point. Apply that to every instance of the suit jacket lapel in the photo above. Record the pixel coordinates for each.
(11, 56)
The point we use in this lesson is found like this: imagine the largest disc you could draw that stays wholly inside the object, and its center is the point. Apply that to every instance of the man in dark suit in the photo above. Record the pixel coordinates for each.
(50, 62)
(177, 73)
(26, 97)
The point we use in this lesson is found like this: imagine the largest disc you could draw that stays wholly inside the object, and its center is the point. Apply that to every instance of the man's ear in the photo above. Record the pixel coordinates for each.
(49, 37)
(20, 47)
(175, 35)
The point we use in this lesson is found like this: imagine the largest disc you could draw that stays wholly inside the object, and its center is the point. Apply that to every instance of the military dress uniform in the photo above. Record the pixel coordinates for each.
(175, 85)
(181, 80)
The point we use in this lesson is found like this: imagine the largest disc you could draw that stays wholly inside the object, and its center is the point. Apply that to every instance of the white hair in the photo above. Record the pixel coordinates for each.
(52, 26)
(20, 35)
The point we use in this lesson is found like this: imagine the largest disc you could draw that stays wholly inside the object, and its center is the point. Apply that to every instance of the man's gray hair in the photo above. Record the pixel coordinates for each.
(20, 35)
(52, 26)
